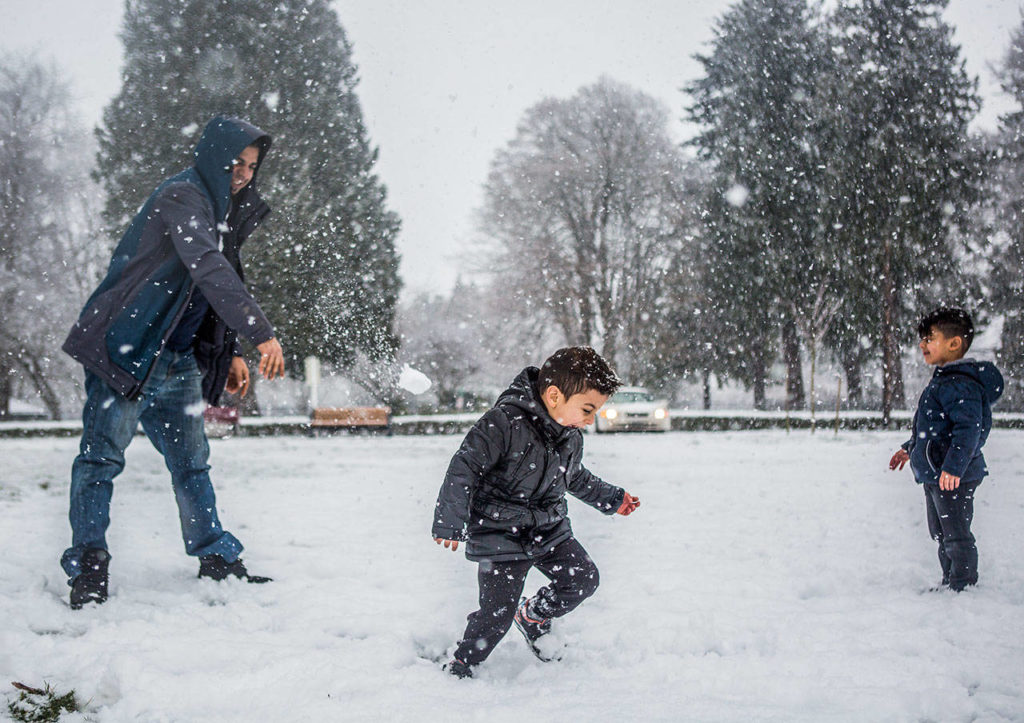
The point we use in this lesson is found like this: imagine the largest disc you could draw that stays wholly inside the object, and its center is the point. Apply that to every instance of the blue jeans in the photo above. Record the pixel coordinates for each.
(170, 409)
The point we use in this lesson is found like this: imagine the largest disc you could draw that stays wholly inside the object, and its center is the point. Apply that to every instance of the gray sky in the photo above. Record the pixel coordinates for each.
(444, 82)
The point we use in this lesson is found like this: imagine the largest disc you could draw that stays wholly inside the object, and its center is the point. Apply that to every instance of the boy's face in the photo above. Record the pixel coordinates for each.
(576, 411)
(243, 168)
(939, 349)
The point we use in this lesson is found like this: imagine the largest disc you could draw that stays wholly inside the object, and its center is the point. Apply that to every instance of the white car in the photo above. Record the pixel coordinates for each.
(633, 409)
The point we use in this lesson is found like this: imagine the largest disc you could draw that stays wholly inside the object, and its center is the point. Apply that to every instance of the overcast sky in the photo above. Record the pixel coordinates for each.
(444, 82)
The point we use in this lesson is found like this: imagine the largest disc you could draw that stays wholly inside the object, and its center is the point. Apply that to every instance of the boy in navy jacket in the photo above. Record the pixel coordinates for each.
(952, 422)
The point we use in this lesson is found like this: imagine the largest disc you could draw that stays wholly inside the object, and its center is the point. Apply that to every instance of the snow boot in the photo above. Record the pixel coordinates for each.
(216, 567)
(457, 668)
(92, 582)
(533, 627)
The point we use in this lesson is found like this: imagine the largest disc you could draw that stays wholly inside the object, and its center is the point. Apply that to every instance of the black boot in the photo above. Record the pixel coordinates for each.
(457, 668)
(533, 627)
(92, 582)
(216, 567)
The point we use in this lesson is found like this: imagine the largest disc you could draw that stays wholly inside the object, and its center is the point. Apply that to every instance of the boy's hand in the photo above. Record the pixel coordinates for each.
(453, 544)
(948, 482)
(899, 459)
(629, 503)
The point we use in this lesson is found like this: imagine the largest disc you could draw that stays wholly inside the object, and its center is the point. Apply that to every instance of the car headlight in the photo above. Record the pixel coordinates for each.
(610, 414)
(660, 413)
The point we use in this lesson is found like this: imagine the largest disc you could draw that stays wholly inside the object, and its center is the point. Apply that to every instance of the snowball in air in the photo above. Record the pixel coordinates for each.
(737, 195)
(413, 381)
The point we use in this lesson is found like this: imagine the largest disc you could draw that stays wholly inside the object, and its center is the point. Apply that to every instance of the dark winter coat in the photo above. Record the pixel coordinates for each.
(505, 487)
(180, 239)
(952, 422)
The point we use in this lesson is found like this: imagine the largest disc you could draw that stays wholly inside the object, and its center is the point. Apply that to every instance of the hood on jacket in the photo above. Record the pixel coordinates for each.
(985, 373)
(522, 394)
(222, 141)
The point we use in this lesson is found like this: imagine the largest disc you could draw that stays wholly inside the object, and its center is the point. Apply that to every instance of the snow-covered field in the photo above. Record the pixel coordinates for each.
(766, 577)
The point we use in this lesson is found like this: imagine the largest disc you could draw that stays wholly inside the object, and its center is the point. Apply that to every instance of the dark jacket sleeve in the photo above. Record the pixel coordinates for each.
(962, 401)
(589, 488)
(481, 450)
(186, 216)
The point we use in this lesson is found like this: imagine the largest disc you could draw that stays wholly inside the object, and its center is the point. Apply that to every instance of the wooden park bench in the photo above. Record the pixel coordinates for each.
(351, 418)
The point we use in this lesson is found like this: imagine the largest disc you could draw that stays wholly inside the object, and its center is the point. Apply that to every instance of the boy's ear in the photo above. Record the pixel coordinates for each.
(552, 395)
(956, 343)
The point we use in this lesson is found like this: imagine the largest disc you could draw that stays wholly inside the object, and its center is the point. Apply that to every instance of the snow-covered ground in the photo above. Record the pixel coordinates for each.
(767, 577)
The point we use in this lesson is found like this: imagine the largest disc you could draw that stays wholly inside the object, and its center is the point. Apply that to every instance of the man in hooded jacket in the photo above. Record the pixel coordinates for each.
(159, 338)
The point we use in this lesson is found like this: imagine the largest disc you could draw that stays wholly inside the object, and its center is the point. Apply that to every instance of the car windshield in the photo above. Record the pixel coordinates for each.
(627, 397)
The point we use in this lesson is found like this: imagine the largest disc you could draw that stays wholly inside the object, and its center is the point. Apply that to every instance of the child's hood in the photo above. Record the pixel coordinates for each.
(983, 372)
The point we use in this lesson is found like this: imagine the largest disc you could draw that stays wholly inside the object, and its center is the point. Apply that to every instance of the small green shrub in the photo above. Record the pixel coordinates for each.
(41, 706)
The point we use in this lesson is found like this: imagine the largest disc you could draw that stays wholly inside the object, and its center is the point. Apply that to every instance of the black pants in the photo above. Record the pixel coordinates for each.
(573, 577)
(949, 521)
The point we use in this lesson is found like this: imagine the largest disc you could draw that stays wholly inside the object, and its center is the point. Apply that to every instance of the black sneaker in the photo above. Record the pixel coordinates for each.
(92, 582)
(533, 628)
(458, 669)
(216, 567)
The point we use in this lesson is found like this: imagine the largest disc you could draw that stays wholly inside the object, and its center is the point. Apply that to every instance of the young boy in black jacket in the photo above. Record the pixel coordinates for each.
(951, 424)
(505, 493)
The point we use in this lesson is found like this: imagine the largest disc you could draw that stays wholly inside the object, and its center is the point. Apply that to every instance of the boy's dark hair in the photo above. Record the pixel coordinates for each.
(951, 321)
(575, 369)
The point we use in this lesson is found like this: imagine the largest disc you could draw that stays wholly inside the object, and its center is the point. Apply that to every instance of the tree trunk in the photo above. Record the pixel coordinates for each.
(5, 393)
(37, 373)
(706, 374)
(854, 380)
(890, 344)
(1011, 359)
(899, 397)
(794, 373)
(759, 375)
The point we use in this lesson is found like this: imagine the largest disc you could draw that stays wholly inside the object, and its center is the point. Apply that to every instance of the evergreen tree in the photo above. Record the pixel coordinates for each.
(1007, 277)
(902, 172)
(755, 108)
(324, 268)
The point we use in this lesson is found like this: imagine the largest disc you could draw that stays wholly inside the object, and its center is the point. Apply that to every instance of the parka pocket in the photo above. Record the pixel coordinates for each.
(935, 454)
(519, 468)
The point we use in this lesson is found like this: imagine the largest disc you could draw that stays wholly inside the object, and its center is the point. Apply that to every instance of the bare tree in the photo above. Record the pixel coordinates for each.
(440, 339)
(584, 207)
(813, 322)
(47, 207)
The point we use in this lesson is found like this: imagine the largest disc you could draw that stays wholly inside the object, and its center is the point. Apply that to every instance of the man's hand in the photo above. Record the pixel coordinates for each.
(238, 377)
(899, 459)
(271, 359)
(453, 544)
(629, 503)
(948, 482)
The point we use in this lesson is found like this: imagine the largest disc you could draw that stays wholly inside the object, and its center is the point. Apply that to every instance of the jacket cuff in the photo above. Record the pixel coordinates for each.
(260, 336)
(448, 534)
(619, 497)
(955, 467)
